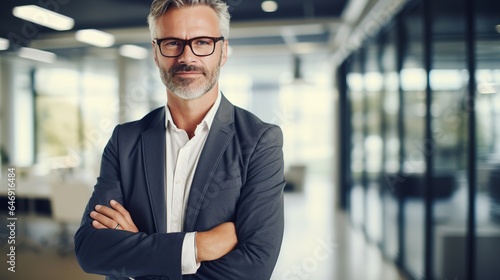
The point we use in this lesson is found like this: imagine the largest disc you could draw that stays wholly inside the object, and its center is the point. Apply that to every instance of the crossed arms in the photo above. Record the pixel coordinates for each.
(137, 249)
(211, 244)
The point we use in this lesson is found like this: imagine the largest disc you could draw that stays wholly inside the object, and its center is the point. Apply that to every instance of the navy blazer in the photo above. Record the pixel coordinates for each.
(239, 178)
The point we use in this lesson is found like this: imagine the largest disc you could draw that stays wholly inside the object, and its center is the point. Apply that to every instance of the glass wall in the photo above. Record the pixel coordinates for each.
(372, 142)
(448, 82)
(390, 134)
(57, 116)
(422, 150)
(77, 107)
(356, 97)
(411, 187)
(487, 202)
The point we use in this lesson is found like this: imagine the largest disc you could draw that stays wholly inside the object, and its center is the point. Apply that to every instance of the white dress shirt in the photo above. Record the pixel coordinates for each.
(181, 161)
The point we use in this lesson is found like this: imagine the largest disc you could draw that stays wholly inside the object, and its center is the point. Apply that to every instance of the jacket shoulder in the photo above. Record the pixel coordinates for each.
(127, 135)
(153, 118)
(249, 125)
(242, 115)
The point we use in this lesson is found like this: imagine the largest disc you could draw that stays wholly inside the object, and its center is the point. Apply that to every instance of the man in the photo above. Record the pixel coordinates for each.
(194, 190)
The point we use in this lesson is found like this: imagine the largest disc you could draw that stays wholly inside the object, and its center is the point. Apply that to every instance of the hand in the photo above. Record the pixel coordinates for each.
(217, 242)
(112, 218)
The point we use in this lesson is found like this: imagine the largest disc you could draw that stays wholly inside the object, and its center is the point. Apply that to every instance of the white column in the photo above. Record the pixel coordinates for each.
(6, 109)
(17, 132)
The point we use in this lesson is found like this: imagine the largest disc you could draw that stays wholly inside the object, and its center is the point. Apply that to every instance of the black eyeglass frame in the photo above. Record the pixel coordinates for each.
(187, 42)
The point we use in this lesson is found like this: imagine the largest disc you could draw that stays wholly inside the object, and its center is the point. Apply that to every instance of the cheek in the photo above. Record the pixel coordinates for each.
(163, 64)
(215, 62)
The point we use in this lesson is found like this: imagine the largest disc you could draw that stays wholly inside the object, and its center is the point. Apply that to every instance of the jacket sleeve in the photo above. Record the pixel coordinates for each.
(120, 253)
(259, 216)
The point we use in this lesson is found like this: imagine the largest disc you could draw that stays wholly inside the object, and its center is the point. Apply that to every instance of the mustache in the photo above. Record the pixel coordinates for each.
(185, 68)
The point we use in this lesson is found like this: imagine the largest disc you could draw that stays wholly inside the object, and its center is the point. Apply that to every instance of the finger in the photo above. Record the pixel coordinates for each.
(111, 218)
(129, 225)
(108, 217)
(118, 207)
(98, 225)
(111, 213)
(102, 219)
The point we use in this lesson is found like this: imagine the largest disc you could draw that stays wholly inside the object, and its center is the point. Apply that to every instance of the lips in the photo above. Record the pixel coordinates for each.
(186, 70)
(187, 73)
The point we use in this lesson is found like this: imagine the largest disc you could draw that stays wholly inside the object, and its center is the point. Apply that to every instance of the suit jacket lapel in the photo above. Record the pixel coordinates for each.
(216, 143)
(153, 145)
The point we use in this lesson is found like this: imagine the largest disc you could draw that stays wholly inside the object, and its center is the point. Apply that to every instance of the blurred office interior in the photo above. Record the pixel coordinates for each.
(390, 111)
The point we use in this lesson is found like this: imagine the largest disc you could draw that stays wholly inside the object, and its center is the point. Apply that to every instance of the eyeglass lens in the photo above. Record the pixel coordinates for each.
(199, 46)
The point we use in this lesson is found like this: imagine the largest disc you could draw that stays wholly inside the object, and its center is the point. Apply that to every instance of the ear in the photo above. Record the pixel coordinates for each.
(225, 48)
(155, 53)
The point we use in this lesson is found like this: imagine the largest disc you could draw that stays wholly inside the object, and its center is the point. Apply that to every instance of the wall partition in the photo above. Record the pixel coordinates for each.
(357, 194)
(487, 137)
(409, 182)
(391, 147)
(422, 123)
(372, 79)
(449, 115)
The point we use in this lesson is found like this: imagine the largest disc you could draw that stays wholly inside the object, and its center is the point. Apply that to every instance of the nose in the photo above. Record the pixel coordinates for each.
(187, 55)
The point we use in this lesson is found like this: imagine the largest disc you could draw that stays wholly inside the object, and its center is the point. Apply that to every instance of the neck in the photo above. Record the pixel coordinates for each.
(187, 114)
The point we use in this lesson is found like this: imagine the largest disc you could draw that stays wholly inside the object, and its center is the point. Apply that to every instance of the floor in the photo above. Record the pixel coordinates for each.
(319, 243)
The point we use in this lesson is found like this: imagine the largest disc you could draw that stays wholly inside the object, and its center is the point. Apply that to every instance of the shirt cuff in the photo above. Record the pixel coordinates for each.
(188, 261)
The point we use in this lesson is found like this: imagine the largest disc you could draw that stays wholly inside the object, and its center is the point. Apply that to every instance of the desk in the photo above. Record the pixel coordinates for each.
(28, 191)
(61, 198)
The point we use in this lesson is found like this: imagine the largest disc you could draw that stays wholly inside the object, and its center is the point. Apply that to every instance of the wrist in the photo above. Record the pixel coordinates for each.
(195, 247)
(199, 245)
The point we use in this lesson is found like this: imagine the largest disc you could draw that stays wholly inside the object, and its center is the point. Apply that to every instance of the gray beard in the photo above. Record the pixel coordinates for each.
(183, 88)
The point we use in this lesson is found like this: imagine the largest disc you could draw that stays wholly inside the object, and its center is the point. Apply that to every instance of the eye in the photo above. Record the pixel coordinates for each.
(203, 42)
(171, 43)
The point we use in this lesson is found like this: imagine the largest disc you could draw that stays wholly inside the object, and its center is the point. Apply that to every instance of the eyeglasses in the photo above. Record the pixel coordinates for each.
(174, 47)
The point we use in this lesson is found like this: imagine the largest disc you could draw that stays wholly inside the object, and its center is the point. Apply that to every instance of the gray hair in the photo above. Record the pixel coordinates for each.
(159, 7)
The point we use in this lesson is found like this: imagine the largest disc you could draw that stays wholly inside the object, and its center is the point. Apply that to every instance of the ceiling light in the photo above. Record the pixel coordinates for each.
(44, 17)
(133, 51)
(38, 55)
(4, 44)
(269, 6)
(95, 37)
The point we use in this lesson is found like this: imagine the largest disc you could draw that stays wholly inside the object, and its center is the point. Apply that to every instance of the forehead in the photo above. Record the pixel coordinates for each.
(188, 22)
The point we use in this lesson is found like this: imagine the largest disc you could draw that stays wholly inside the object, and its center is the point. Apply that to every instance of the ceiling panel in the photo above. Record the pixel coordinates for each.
(113, 14)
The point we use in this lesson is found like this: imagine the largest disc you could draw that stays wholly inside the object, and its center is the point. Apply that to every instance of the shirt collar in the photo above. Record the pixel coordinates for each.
(208, 119)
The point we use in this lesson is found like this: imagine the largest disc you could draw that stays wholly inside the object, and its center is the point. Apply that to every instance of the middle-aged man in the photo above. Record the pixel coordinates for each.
(194, 190)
